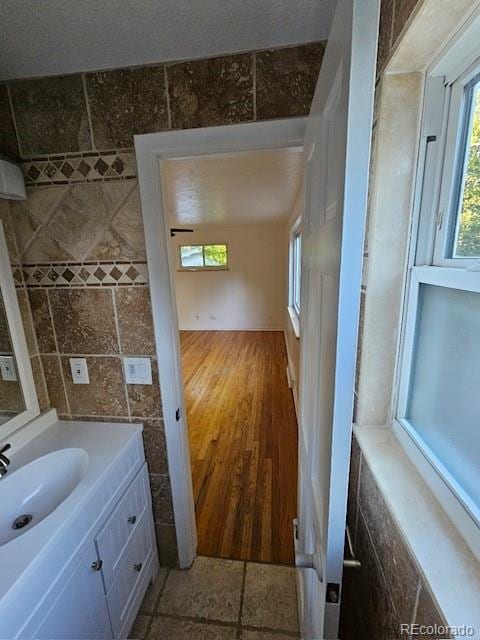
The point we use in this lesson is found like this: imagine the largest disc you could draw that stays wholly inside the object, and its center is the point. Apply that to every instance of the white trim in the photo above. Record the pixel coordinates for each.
(204, 267)
(453, 142)
(292, 378)
(227, 328)
(295, 320)
(19, 344)
(150, 150)
(295, 231)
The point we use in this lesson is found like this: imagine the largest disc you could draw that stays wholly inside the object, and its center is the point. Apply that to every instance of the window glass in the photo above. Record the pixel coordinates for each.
(191, 255)
(297, 262)
(208, 256)
(466, 242)
(215, 255)
(444, 401)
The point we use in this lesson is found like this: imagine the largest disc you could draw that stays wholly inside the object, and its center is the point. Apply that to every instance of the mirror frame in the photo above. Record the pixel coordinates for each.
(19, 344)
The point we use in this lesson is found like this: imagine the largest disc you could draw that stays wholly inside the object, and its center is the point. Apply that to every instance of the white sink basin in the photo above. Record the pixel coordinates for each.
(31, 493)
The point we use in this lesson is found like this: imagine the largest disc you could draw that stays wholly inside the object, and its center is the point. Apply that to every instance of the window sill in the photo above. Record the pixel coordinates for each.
(203, 269)
(295, 320)
(450, 568)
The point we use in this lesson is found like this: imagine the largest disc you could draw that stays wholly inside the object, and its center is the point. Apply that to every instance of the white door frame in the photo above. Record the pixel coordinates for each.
(150, 150)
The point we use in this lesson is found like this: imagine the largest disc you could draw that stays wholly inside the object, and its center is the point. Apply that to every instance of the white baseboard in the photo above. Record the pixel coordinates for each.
(197, 328)
(292, 383)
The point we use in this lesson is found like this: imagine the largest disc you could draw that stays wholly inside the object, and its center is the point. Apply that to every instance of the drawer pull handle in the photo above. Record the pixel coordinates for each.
(97, 565)
(132, 519)
(138, 566)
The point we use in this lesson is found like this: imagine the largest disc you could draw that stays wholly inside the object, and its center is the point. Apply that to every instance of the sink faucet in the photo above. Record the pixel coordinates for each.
(4, 461)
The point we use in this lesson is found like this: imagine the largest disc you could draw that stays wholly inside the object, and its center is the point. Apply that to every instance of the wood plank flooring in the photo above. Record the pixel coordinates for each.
(243, 443)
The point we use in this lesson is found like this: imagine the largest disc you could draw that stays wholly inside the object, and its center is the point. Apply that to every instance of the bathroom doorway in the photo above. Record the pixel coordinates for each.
(229, 217)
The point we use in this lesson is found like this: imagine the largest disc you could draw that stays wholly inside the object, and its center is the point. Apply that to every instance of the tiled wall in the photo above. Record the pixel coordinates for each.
(389, 590)
(81, 253)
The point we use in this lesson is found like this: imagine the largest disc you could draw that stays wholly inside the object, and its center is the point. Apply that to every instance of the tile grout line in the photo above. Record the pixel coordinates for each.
(242, 597)
(167, 94)
(157, 602)
(254, 77)
(89, 115)
(417, 600)
(120, 351)
(14, 118)
(215, 622)
(59, 357)
(41, 226)
(357, 500)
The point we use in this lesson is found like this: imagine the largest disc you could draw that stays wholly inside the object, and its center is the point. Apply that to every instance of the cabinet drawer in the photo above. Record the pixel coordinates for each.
(114, 537)
(131, 571)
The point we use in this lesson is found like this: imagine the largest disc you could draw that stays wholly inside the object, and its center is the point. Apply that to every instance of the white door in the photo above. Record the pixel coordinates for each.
(337, 149)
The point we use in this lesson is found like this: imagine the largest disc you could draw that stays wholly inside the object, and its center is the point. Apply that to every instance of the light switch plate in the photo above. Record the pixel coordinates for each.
(79, 369)
(137, 370)
(8, 370)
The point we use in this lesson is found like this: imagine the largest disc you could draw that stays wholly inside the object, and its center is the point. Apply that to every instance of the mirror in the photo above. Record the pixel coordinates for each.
(11, 396)
(18, 398)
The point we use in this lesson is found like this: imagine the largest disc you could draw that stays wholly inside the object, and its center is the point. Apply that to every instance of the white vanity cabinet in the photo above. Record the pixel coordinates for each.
(80, 610)
(82, 573)
(102, 596)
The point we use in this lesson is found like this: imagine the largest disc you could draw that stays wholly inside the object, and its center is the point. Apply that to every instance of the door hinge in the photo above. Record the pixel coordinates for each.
(178, 414)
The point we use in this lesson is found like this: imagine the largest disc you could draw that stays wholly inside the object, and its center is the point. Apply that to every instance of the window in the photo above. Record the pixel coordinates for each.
(295, 269)
(297, 262)
(438, 404)
(203, 257)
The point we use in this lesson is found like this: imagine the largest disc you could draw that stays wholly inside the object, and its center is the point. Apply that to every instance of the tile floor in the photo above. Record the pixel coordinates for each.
(220, 600)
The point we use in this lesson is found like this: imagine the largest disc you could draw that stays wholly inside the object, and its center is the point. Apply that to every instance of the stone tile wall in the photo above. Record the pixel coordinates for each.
(80, 254)
(389, 590)
(101, 111)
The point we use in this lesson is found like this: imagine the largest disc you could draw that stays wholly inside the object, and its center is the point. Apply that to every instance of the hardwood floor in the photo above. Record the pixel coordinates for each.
(243, 443)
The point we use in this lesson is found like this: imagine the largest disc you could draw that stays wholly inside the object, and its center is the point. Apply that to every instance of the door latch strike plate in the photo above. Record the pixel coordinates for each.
(333, 592)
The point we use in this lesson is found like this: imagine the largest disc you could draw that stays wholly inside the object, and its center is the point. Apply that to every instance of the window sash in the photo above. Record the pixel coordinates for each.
(455, 143)
(451, 278)
(296, 270)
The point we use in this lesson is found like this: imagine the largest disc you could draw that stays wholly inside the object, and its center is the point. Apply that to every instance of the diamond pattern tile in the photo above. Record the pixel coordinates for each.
(83, 274)
(89, 167)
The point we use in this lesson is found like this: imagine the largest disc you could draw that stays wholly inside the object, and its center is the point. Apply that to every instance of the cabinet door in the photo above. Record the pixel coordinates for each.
(80, 611)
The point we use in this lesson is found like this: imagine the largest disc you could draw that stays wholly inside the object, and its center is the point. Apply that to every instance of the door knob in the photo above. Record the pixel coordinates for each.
(132, 519)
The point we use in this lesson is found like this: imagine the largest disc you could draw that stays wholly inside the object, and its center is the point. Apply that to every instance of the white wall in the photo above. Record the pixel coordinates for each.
(250, 295)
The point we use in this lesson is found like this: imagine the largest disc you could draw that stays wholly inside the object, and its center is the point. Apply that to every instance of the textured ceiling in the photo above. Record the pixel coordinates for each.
(49, 37)
(238, 188)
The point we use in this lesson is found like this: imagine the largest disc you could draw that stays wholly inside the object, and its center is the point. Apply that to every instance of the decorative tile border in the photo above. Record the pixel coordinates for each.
(85, 274)
(80, 167)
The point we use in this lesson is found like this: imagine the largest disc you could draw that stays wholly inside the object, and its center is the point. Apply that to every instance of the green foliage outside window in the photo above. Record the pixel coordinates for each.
(468, 240)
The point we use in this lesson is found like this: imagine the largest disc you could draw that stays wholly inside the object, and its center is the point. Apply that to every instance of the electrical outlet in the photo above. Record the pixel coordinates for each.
(137, 370)
(7, 368)
(79, 369)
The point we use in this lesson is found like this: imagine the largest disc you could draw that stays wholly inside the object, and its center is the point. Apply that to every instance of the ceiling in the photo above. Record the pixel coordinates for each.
(50, 37)
(257, 187)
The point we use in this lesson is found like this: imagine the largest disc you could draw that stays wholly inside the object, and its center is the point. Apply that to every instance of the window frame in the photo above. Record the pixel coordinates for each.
(454, 160)
(441, 146)
(294, 283)
(204, 267)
